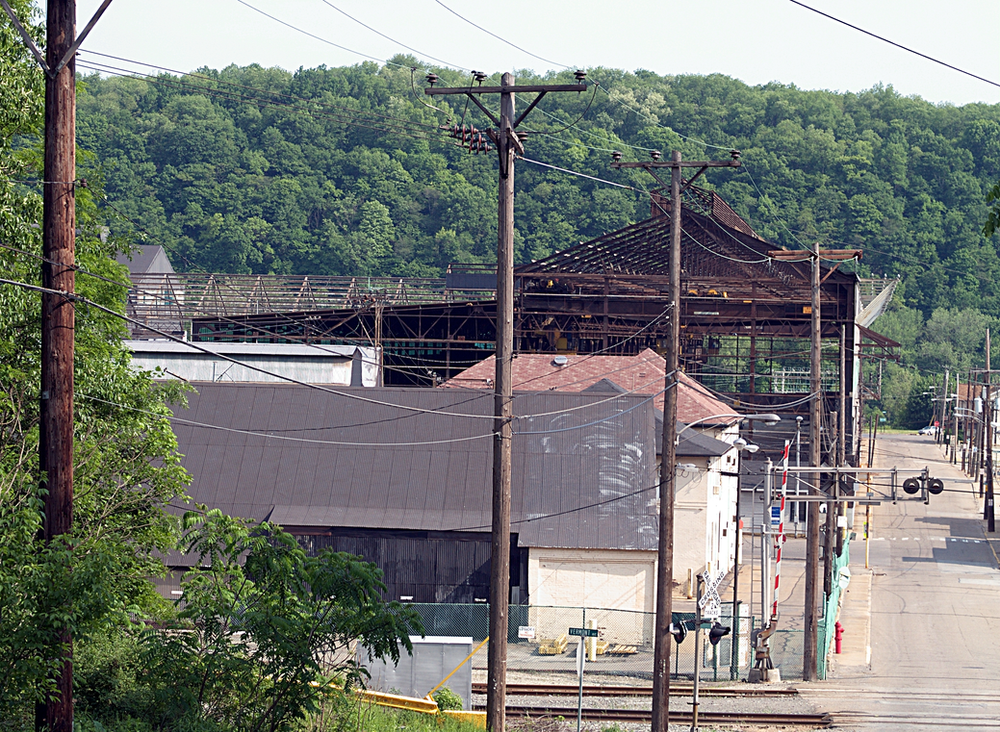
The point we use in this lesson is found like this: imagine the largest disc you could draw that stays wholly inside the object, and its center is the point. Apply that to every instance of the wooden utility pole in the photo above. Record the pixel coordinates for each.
(668, 462)
(811, 640)
(57, 316)
(988, 511)
(59, 250)
(507, 144)
(842, 441)
(954, 419)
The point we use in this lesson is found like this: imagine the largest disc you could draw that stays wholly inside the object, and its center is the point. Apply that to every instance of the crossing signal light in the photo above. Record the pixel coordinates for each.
(679, 631)
(935, 485)
(911, 486)
(717, 631)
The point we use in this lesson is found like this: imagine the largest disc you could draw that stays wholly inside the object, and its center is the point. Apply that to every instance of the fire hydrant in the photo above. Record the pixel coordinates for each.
(838, 635)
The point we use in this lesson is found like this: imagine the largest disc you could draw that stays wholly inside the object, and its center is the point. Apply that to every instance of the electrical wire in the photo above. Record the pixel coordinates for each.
(72, 297)
(554, 63)
(282, 95)
(393, 40)
(587, 507)
(893, 43)
(190, 344)
(502, 40)
(286, 438)
(316, 37)
(378, 125)
(642, 402)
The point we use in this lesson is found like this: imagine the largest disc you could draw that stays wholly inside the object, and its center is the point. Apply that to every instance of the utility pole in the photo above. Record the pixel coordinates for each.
(58, 322)
(954, 419)
(55, 443)
(668, 462)
(988, 413)
(811, 639)
(842, 443)
(507, 144)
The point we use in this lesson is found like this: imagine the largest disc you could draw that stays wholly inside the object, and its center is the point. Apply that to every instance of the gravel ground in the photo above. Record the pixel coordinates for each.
(784, 705)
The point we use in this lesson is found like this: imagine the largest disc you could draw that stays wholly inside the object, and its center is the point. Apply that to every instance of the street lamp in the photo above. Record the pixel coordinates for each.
(768, 419)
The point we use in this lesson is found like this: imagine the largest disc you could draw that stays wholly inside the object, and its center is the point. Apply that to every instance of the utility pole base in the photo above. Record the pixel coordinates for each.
(764, 676)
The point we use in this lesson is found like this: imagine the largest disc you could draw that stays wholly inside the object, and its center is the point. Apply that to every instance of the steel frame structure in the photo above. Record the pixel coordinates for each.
(744, 316)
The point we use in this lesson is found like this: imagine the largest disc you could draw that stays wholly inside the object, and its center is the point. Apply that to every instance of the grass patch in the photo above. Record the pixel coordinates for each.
(345, 714)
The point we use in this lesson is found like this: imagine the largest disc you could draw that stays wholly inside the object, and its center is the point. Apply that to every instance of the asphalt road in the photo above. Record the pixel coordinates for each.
(931, 657)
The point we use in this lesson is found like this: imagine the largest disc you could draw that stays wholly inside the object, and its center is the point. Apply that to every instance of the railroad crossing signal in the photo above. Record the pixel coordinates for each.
(716, 632)
(923, 484)
(711, 603)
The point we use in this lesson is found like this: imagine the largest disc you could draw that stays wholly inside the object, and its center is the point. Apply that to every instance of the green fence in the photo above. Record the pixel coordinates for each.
(827, 624)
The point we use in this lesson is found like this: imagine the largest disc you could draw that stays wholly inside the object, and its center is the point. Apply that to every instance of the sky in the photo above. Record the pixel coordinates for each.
(756, 41)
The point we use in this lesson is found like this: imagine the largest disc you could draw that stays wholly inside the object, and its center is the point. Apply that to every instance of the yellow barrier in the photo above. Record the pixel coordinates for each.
(476, 719)
(425, 706)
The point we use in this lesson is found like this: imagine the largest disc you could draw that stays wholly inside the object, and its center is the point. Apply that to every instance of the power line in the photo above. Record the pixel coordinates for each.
(311, 101)
(313, 35)
(193, 345)
(353, 120)
(893, 43)
(393, 40)
(499, 38)
(286, 438)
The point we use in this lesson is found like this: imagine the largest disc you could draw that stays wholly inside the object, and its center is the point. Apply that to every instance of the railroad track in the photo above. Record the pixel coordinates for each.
(644, 715)
(596, 690)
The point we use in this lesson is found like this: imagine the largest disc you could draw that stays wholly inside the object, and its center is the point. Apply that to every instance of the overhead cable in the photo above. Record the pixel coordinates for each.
(893, 43)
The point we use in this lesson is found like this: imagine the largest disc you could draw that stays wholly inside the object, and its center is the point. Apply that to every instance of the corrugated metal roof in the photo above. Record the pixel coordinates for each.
(147, 259)
(581, 479)
(695, 444)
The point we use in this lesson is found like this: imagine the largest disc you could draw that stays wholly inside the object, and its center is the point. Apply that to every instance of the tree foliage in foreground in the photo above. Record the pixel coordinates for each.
(264, 613)
(261, 631)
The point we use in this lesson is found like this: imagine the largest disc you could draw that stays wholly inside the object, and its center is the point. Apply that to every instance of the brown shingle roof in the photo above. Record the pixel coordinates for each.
(642, 374)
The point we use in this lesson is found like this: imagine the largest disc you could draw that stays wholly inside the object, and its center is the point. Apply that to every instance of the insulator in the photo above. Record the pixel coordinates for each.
(616, 156)
(654, 154)
(580, 75)
(479, 77)
(432, 79)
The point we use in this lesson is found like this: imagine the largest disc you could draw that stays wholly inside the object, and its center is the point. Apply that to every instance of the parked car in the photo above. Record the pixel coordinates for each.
(929, 430)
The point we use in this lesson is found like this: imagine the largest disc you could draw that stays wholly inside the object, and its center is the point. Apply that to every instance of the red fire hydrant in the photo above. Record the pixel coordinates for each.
(838, 635)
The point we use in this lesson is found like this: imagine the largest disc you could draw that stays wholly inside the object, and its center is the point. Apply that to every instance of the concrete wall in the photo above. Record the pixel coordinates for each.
(616, 587)
(704, 531)
(434, 657)
(332, 365)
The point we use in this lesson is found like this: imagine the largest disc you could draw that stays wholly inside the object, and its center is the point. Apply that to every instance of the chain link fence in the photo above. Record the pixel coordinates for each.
(623, 646)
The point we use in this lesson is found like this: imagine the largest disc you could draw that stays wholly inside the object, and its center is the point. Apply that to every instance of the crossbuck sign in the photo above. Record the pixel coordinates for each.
(711, 603)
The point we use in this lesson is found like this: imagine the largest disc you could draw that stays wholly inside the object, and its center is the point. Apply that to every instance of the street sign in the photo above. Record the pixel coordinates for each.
(584, 632)
(526, 631)
(710, 602)
(712, 610)
(775, 516)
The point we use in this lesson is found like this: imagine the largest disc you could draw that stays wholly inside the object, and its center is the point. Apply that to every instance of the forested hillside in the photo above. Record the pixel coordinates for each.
(344, 171)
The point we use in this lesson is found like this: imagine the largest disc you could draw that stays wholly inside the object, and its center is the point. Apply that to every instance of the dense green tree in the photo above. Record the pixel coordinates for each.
(260, 170)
